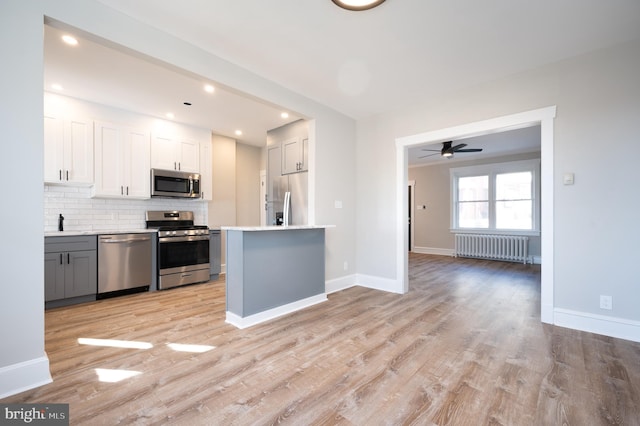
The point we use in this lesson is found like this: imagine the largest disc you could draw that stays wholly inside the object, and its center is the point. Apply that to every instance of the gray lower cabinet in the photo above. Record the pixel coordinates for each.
(215, 250)
(70, 270)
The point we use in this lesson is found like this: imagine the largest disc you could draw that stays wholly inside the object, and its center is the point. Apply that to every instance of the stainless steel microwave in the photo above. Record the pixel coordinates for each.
(174, 184)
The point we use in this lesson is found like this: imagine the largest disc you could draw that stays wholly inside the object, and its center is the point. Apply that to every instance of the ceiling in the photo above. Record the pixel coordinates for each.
(100, 74)
(358, 63)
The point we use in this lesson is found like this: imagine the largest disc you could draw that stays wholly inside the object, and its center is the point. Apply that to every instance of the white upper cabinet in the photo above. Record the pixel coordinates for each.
(295, 155)
(68, 150)
(122, 167)
(170, 153)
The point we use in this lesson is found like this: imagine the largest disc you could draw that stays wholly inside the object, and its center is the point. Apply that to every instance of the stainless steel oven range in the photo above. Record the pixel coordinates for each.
(183, 248)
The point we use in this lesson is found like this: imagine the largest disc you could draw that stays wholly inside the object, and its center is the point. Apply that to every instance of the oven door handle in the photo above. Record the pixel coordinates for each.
(183, 239)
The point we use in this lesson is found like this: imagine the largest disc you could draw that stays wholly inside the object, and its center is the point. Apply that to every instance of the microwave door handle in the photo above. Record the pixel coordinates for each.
(190, 186)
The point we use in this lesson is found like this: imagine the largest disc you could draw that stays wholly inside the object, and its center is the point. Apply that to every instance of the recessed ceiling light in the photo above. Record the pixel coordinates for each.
(69, 40)
(238, 132)
(358, 4)
(170, 115)
(284, 115)
(208, 88)
(56, 86)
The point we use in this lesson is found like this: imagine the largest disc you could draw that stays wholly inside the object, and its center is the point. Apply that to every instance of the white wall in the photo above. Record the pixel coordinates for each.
(22, 360)
(248, 203)
(595, 136)
(222, 207)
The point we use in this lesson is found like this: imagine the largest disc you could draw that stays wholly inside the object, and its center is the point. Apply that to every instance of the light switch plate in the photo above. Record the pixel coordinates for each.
(568, 179)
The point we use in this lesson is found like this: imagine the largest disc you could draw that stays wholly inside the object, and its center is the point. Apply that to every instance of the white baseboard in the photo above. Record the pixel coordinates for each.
(341, 283)
(223, 268)
(244, 322)
(23, 376)
(536, 260)
(599, 324)
(433, 250)
(378, 283)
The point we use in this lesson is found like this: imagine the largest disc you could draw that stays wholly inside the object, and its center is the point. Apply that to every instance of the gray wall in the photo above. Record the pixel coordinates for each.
(432, 187)
(22, 242)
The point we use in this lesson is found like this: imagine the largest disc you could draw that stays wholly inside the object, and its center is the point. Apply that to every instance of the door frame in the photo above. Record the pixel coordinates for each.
(543, 117)
(412, 209)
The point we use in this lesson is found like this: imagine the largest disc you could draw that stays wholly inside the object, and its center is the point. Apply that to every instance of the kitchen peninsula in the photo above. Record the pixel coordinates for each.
(273, 271)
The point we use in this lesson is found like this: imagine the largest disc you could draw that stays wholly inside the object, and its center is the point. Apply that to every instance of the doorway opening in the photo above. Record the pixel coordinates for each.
(543, 117)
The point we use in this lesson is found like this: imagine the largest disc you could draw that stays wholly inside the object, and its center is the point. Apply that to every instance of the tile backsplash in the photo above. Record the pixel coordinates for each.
(83, 213)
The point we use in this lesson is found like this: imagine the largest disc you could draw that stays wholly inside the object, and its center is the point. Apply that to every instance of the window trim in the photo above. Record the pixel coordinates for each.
(492, 170)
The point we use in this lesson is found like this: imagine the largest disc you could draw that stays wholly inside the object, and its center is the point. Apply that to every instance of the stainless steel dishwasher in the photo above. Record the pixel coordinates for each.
(124, 263)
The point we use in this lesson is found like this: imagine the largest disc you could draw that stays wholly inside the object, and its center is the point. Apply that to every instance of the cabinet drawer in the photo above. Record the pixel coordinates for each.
(75, 243)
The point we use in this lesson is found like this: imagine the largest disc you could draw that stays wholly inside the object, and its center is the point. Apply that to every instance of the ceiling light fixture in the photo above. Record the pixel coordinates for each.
(358, 4)
(69, 40)
(170, 115)
(238, 132)
(208, 88)
(284, 115)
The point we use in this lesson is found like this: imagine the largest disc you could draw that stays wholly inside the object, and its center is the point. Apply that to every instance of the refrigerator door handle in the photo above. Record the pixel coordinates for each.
(285, 212)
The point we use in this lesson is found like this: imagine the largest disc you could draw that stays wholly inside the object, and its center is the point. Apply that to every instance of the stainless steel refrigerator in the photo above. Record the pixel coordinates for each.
(297, 185)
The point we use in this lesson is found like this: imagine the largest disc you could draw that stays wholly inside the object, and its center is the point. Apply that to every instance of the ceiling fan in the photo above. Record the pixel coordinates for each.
(448, 150)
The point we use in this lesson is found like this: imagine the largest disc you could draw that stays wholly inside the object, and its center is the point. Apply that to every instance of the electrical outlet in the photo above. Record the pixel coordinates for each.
(346, 265)
(606, 302)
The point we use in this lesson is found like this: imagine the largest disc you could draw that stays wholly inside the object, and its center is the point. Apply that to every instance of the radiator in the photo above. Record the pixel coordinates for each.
(500, 247)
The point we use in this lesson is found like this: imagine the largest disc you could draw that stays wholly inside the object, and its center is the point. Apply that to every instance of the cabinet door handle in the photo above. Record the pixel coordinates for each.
(121, 190)
(127, 190)
(67, 174)
(68, 259)
(61, 258)
(60, 174)
(179, 166)
(175, 166)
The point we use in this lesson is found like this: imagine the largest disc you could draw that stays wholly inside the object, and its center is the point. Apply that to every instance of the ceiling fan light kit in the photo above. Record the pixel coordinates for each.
(358, 4)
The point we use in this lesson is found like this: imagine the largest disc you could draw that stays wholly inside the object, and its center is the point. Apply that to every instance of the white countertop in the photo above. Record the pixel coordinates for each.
(98, 232)
(273, 228)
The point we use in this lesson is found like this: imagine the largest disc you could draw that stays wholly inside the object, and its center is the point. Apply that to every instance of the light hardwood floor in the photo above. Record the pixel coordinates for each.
(464, 346)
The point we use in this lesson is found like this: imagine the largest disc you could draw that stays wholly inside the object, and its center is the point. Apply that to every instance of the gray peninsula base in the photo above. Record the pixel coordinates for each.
(272, 271)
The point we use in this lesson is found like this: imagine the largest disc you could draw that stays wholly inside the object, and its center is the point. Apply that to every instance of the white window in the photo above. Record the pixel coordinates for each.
(500, 197)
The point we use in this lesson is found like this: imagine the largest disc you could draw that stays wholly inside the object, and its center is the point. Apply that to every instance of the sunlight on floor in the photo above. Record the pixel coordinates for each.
(181, 347)
(130, 344)
(114, 376)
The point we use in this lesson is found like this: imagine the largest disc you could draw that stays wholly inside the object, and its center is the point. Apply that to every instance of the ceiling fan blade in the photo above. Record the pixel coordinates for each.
(430, 155)
(458, 147)
(469, 150)
(434, 150)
